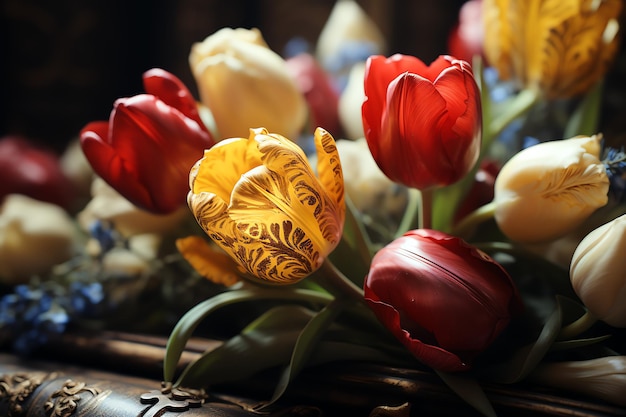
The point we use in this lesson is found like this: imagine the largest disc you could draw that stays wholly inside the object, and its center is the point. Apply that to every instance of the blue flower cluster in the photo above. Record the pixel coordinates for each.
(32, 316)
(615, 163)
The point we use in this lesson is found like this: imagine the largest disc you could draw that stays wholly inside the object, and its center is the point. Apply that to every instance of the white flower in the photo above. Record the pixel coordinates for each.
(549, 189)
(597, 272)
(34, 236)
(246, 85)
(350, 102)
(128, 219)
(347, 24)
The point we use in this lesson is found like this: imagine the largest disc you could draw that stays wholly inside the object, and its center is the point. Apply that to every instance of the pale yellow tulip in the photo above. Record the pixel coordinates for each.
(547, 190)
(34, 237)
(245, 84)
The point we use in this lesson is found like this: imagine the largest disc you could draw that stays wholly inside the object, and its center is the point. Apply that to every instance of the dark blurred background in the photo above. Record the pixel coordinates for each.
(63, 62)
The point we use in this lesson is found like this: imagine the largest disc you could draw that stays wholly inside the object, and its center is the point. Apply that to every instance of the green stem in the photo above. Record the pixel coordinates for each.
(577, 327)
(335, 282)
(522, 103)
(466, 227)
(411, 218)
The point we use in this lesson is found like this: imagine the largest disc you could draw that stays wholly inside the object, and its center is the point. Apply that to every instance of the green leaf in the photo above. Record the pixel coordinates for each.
(305, 345)
(332, 351)
(585, 119)
(265, 343)
(188, 323)
(470, 391)
(526, 358)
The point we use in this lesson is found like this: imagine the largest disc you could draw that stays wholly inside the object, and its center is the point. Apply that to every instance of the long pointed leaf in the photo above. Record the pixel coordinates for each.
(305, 345)
(265, 343)
(188, 323)
(470, 391)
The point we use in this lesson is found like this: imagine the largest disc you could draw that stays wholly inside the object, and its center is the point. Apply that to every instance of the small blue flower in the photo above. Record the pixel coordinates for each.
(85, 298)
(615, 163)
(32, 316)
(104, 233)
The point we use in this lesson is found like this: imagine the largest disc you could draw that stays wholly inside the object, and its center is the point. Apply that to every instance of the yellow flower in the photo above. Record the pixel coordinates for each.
(261, 202)
(547, 190)
(560, 47)
(244, 83)
(215, 266)
(597, 272)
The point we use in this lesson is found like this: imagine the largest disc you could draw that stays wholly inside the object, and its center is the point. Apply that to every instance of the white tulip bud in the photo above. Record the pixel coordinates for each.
(549, 189)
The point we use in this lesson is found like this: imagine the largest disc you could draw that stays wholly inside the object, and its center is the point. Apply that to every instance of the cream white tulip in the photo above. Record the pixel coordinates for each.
(381, 200)
(350, 102)
(34, 236)
(129, 220)
(549, 189)
(603, 378)
(246, 85)
(598, 272)
(347, 24)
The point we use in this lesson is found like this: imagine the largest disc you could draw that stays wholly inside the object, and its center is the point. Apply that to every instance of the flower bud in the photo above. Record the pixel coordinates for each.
(350, 102)
(245, 84)
(347, 30)
(549, 189)
(597, 272)
(445, 300)
(34, 236)
(128, 219)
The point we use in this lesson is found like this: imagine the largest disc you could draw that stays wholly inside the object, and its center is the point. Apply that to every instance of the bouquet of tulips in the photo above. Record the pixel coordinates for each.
(459, 249)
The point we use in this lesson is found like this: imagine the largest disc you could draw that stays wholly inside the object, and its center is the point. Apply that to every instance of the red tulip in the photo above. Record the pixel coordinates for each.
(445, 300)
(149, 144)
(33, 171)
(316, 87)
(422, 123)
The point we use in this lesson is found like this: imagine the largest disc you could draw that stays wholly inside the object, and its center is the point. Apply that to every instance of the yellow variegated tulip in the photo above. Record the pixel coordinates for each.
(549, 189)
(260, 201)
(560, 47)
(597, 272)
(244, 83)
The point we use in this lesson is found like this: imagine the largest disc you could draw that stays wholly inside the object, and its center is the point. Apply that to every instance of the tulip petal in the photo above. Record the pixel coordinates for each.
(105, 161)
(415, 114)
(331, 178)
(221, 167)
(173, 92)
(217, 267)
(431, 355)
(463, 119)
(270, 222)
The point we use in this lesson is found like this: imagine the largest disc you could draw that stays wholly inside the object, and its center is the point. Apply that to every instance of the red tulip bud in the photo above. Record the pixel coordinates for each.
(444, 299)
